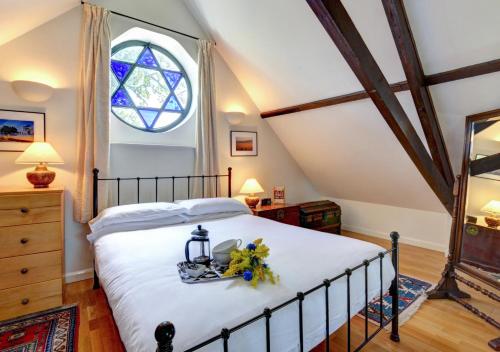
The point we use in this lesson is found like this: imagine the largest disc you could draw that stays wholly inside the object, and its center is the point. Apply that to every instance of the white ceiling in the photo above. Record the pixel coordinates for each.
(282, 56)
(20, 16)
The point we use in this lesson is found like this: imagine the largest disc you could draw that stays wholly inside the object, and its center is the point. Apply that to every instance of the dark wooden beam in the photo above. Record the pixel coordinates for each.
(463, 72)
(362, 94)
(437, 78)
(481, 126)
(339, 26)
(408, 53)
(484, 165)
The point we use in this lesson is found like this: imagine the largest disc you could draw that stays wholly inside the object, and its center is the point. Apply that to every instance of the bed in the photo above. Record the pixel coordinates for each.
(137, 271)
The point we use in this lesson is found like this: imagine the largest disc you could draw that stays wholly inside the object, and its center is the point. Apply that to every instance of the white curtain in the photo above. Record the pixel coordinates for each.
(206, 162)
(93, 109)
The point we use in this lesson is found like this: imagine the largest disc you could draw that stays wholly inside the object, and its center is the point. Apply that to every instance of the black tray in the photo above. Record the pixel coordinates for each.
(212, 273)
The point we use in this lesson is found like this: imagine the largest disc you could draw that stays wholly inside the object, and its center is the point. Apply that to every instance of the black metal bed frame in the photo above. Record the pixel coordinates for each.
(165, 331)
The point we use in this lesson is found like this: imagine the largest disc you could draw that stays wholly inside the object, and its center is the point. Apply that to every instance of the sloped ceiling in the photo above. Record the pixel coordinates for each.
(282, 56)
(20, 16)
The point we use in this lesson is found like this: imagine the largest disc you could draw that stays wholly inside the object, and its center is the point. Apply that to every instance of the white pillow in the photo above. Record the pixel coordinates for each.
(134, 213)
(138, 225)
(212, 205)
(214, 216)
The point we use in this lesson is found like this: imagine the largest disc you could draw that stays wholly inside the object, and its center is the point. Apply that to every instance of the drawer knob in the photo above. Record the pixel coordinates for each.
(24, 240)
(280, 214)
(25, 301)
(24, 270)
(24, 210)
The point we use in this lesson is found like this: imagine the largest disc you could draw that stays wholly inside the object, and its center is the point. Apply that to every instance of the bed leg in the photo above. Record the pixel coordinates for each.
(96, 280)
(394, 291)
(164, 335)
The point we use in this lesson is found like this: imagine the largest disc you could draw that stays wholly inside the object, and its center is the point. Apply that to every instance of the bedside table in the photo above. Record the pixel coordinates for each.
(285, 213)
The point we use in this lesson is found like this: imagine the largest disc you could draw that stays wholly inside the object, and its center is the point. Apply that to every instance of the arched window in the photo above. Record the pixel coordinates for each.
(150, 89)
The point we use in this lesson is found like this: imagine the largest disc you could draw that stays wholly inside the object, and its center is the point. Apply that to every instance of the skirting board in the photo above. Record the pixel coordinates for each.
(79, 275)
(402, 239)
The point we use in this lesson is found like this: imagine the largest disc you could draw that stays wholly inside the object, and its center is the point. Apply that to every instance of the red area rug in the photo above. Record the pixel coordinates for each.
(54, 330)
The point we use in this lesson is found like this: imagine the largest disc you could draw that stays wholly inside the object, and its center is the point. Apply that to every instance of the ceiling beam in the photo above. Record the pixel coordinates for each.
(480, 126)
(482, 68)
(485, 165)
(362, 94)
(408, 53)
(339, 26)
(430, 80)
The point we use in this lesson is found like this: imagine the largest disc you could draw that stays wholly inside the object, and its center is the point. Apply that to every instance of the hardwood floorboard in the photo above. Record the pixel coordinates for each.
(439, 325)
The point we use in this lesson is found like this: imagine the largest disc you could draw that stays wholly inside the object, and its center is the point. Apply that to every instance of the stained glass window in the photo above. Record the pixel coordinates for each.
(149, 88)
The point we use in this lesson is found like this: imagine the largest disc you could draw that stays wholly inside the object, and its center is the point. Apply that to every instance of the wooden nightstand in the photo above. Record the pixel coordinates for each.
(31, 250)
(285, 213)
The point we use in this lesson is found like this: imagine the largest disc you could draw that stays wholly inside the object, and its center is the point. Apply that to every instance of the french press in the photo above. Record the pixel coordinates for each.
(199, 235)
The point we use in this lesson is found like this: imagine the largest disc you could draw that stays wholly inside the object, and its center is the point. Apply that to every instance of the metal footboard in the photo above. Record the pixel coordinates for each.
(165, 332)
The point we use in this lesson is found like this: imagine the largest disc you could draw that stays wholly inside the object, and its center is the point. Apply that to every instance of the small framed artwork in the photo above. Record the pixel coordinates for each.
(492, 175)
(279, 194)
(18, 129)
(243, 143)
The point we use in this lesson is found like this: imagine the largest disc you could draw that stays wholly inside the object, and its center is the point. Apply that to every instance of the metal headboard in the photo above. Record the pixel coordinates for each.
(118, 180)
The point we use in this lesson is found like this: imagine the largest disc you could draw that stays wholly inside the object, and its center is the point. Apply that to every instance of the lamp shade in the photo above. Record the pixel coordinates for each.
(32, 91)
(493, 208)
(39, 152)
(235, 118)
(251, 186)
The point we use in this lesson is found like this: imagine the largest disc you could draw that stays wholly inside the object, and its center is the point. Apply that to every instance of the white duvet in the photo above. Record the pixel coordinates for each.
(138, 272)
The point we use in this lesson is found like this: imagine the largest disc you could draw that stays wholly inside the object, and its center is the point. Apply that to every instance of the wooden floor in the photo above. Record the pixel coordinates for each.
(440, 325)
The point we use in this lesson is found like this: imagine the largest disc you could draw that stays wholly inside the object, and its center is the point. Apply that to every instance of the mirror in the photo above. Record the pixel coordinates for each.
(479, 209)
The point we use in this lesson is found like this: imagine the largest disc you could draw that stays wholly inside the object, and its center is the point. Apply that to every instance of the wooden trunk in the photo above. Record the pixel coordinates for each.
(323, 215)
(480, 246)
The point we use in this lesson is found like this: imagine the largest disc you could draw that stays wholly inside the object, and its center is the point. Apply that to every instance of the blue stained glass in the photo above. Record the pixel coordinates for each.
(172, 78)
(149, 116)
(120, 69)
(149, 88)
(147, 59)
(173, 104)
(120, 98)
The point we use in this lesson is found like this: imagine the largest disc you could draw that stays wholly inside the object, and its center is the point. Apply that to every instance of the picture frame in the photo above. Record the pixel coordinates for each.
(493, 175)
(279, 194)
(19, 128)
(244, 143)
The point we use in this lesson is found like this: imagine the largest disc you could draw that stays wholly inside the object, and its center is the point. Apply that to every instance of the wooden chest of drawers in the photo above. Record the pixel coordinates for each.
(287, 214)
(31, 250)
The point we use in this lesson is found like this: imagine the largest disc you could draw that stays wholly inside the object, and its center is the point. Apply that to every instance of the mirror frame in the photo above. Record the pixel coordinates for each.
(457, 250)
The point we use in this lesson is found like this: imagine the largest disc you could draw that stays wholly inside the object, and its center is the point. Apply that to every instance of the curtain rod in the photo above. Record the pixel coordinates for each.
(148, 23)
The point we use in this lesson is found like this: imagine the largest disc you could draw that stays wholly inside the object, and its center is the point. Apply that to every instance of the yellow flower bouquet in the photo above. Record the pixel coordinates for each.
(249, 262)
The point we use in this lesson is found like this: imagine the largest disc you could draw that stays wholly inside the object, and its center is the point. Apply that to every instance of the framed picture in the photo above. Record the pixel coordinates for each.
(18, 129)
(279, 194)
(243, 143)
(492, 175)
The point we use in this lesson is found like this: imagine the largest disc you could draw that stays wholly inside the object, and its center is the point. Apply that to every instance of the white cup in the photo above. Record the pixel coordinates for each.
(222, 251)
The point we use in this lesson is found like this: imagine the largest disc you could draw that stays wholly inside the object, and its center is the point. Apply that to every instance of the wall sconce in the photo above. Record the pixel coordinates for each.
(235, 118)
(32, 91)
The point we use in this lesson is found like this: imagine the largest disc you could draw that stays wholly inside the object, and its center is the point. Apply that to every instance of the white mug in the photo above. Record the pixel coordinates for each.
(222, 251)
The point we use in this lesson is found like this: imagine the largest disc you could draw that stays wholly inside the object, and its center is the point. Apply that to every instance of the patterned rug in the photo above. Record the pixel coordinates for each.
(412, 293)
(54, 330)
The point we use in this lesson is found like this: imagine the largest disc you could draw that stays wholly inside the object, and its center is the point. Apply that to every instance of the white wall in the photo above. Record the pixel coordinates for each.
(50, 54)
(416, 227)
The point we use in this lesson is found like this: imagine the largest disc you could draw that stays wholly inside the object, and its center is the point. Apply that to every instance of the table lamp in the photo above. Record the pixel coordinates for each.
(250, 187)
(492, 208)
(40, 153)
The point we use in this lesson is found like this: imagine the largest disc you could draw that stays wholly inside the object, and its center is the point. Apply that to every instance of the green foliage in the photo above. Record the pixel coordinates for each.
(252, 260)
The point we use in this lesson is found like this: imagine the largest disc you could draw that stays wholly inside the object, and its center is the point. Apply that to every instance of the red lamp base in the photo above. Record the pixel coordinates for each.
(252, 201)
(492, 222)
(41, 177)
